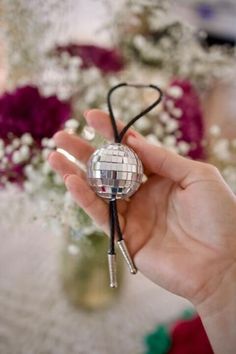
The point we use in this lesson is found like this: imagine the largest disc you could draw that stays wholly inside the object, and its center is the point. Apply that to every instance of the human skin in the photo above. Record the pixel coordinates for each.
(179, 226)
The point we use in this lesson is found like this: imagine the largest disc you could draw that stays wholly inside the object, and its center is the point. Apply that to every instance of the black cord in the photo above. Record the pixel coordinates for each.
(113, 213)
(119, 136)
(116, 219)
(112, 228)
(113, 121)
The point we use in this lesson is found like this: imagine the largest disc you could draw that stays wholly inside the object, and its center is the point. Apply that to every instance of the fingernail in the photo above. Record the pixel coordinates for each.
(131, 139)
(133, 133)
(65, 177)
(86, 112)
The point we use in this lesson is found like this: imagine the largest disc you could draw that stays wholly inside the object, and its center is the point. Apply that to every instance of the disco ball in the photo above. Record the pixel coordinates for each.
(114, 171)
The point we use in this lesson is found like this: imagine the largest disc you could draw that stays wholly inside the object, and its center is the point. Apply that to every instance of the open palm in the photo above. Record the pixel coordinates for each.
(174, 225)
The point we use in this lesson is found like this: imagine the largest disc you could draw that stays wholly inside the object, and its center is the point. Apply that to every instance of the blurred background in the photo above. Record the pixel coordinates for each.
(58, 59)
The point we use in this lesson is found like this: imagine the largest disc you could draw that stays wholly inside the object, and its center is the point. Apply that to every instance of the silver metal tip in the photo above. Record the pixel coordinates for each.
(133, 271)
(112, 270)
(127, 257)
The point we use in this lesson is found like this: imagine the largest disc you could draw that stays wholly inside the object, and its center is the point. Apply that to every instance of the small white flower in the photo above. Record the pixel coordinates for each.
(51, 144)
(88, 133)
(170, 104)
(16, 157)
(27, 139)
(151, 138)
(159, 130)
(44, 142)
(143, 124)
(183, 147)
(68, 198)
(76, 61)
(1, 144)
(73, 250)
(46, 168)
(72, 124)
(177, 112)
(29, 187)
(139, 41)
(170, 141)
(8, 149)
(16, 143)
(45, 153)
(215, 130)
(29, 171)
(171, 126)
(1, 154)
(24, 152)
(58, 180)
(164, 117)
(175, 91)
(221, 149)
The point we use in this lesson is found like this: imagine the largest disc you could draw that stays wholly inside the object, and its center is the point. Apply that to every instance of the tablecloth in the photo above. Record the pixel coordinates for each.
(36, 317)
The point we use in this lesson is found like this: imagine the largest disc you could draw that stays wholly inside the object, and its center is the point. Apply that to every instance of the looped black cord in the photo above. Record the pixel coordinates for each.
(119, 136)
(113, 214)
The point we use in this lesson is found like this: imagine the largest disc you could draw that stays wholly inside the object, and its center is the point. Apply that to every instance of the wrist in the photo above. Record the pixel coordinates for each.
(218, 313)
(222, 296)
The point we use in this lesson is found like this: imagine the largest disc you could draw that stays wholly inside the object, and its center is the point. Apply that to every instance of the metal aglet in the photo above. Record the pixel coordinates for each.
(112, 270)
(127, 257)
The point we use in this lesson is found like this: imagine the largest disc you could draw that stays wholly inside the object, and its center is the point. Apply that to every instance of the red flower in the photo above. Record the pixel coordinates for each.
(189, 337)
(26, 111)
(107, 60)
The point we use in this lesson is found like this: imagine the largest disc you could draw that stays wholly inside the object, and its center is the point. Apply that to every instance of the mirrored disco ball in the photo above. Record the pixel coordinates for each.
(114, 171)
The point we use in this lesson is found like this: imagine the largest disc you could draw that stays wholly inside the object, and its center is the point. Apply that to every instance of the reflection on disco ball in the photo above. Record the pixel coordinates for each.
(114, 171)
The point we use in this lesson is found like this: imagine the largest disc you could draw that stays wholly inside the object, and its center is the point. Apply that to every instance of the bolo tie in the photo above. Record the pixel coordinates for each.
(114, 172)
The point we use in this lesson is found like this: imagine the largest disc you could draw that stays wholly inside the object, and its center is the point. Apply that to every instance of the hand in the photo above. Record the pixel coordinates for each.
(179, 226)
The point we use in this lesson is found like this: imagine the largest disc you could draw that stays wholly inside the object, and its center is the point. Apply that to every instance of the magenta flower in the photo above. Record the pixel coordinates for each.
(189, 336)
(107, 60)
(26, 111)
(191, 120)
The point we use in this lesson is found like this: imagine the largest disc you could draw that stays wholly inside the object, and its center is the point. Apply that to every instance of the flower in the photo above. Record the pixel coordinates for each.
(190, 337)
(26, 111)
(185, 336)
(186, 108)
(27, 122)
(107, 60)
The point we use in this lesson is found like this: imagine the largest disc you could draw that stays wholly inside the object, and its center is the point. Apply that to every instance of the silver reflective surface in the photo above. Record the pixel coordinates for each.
(114, 171)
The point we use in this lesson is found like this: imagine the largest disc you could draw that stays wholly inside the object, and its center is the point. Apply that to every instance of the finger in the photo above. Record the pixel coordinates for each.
(95, 207)
(73, 144)
(101, 122)
(169, 164)
(62, 165)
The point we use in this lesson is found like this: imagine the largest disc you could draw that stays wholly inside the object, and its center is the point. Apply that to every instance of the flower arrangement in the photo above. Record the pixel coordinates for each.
(27, 122)
(74, 77)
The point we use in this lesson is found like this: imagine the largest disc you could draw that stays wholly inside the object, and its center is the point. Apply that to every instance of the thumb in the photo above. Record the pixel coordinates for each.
(169, 164)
